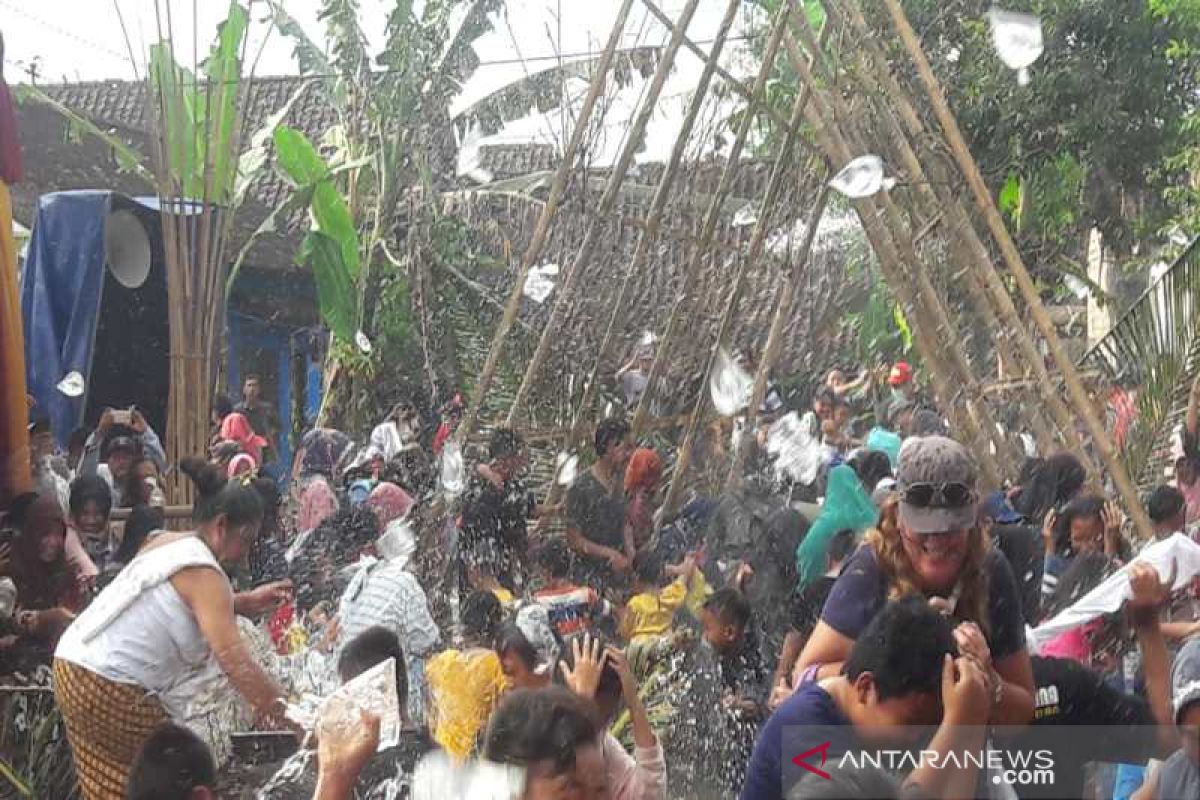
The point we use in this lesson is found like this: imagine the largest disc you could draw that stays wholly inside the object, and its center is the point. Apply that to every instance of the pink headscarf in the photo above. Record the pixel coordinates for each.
(240, 464)
(389, 502)
(317, 501)
(236, 428)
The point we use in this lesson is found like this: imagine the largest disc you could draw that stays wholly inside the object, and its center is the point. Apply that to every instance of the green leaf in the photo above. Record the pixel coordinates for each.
(251, 162)
(223, 69)
(310, 58)
(335, 289)
(297, 157)
(1011, 198)
(332, 218)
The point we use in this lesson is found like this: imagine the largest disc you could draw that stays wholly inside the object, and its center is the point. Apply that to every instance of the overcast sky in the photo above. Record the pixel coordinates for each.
(77, 40)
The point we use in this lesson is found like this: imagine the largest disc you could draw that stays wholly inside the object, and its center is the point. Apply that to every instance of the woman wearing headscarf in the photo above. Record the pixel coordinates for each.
(317, 503)
(642, 477)
(389, 502)
(47, 590)
(848, 505)
(236, 427)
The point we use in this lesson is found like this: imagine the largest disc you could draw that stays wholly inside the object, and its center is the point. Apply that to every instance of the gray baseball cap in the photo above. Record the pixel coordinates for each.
(937, 461)
(1185, 678)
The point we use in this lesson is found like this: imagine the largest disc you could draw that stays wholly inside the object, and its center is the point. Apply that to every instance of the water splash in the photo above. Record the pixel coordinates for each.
(862, 177)
(566, 467)
(1018, 40)
(540, 282)
(72, 384)
(454, 473)
(797, 453)
(746, 216)
(364, 344)
(731, 385)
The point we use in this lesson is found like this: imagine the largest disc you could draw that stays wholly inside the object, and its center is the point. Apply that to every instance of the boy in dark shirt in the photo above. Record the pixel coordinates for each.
(727, 628)
(496, 509)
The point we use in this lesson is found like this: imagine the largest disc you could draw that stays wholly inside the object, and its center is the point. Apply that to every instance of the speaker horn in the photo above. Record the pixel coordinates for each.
(126, 248)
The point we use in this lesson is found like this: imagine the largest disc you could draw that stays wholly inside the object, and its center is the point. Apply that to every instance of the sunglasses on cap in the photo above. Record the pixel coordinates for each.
(938, 495)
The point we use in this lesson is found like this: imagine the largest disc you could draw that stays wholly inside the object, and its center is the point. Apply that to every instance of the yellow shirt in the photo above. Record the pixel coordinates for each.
(651, 613)
(465, 686)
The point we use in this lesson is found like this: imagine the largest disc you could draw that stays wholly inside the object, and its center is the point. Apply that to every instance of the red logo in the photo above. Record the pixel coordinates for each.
(800, 760)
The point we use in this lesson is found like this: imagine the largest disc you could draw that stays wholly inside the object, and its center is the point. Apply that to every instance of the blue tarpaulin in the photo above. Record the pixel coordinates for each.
(60, 299)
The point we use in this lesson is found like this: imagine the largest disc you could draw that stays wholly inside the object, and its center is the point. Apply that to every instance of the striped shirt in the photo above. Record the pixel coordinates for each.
(572, 609)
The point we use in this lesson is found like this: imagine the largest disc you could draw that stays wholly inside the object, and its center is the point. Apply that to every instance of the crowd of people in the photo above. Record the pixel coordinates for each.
(599, 645)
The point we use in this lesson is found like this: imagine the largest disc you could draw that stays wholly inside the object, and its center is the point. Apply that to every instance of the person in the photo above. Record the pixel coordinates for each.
(522, 664)
(172, 764)
(903, 382)
(387, 594)
(451, 414)
(1021, 545)
(553, 734)
(465, 684)
(1048, 485)
(317, 503)
(806, 604)
(572, 608)
(1179, 775)
(143, 523)
(399, 432)
(263, 419)
(1087, 524)
(320, 454)
(642, 479)
(595, 509)
(143, 484)
(842, 387)
(634, 376)
(929, 543)
(236, 427)
(848, 504)
(822, 410)
(834, 434)
(601, 675)
(137, 654)
(651, 609)
(903, 671)
(122, 445)
(89, 542)
(1167, 508)
(48, 592)
(496, 509)
(389, 502)
(727, 628)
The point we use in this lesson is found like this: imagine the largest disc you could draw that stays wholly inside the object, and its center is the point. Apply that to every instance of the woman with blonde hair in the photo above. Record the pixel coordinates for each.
(930, 542)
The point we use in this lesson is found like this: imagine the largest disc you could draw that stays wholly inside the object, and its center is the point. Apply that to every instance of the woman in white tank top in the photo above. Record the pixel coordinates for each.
(164, 625)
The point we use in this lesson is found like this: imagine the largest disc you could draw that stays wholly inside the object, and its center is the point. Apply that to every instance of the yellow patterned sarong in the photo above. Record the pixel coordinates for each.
(107, 723)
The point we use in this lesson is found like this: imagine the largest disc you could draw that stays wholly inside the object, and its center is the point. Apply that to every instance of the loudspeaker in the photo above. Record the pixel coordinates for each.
(126, 248)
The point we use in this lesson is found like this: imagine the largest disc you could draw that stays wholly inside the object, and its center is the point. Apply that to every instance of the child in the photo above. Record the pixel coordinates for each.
(89, 544)
(572, 609)
(728, 630)
(652, 607)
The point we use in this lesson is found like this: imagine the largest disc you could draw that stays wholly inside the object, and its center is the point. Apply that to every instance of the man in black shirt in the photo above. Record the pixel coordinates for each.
(496, 510)
(262, 416)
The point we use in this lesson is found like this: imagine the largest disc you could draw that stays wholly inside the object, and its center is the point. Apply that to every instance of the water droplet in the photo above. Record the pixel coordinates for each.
(1017, 38)
(364, 344)
(540, 282)
(797, 453)
(567, 467)
(72, 384)
(862, 177)
(731, 385)
(746, 216)
(453, 471)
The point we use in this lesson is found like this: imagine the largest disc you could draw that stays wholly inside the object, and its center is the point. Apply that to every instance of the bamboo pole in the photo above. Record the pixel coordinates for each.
(648, 235)
(1016, 265)
(976, 422)
(562, 298)
(880, 80)
(542, 230)
(700, 252)
(785, 294)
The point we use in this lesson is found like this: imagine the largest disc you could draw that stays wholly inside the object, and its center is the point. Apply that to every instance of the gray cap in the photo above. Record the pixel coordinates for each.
(1185, 678)
(936, 460)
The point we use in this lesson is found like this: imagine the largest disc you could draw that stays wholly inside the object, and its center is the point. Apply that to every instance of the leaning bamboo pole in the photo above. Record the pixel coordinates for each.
(1012, 258)
(648, 236)
(902, 269)
(564, 295)
(712, 214)
(880, 81)
(542, 230)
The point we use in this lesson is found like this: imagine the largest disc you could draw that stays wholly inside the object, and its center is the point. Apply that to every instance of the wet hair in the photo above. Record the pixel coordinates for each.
(90, 489)
(171, 763)
(1052, 482)
(18, 509)
(1082, 507)
(730, 606)
(871, 466)
(648, 567)
(609, 685)
(903, 648)
(369, 649)
(541, 725)
(143, 520)
(866, 783)
(926, 422)
(1164, 504)
(842, 545)
(555, 558)
(133, 486)
(251, 376)
(610, 432)
(222, 406)
(1085, 573)
(215, 495)
(505, 442)
(512, 639)
(482, 615)
(826, 396)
